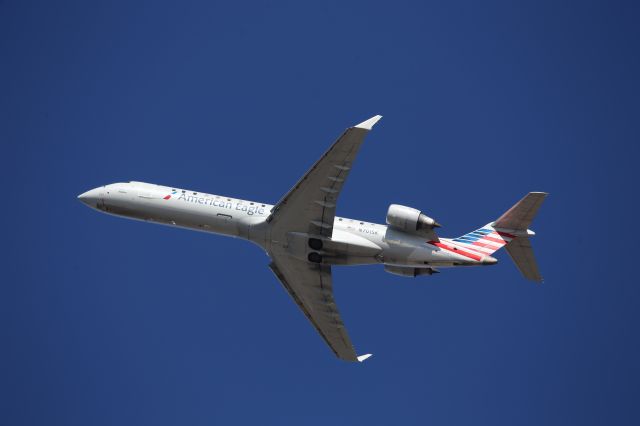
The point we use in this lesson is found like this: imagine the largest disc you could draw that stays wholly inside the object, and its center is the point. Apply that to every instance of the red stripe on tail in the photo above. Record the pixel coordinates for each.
(456, 250)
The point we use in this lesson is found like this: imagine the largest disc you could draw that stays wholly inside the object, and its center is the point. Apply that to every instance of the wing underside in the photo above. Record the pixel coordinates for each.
(309, 208)
(310, 287)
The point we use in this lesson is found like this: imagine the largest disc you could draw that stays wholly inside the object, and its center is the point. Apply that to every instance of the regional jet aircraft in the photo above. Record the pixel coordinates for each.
(304, 238)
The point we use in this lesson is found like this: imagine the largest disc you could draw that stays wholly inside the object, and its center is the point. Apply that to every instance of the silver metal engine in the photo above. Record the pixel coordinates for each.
(410, 220)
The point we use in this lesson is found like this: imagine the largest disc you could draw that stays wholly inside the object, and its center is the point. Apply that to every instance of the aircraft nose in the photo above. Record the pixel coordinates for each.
(489, 260)
(91, 198)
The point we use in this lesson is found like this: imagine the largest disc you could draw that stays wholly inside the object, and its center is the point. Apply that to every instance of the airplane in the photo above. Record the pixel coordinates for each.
(304, 238)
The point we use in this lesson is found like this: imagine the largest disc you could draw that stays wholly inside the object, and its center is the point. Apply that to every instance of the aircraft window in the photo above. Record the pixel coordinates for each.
(183, 191)
(340, 219)
(262, 205)
(228, 199)
(251, 203)
(361, 223)
(195, 193)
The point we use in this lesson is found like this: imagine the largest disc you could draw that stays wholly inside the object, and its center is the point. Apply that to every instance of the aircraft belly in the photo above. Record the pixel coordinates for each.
(403, 249)
(355, 245)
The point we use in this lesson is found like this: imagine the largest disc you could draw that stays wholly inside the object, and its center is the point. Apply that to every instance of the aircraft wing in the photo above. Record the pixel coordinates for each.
(310, 286)
(310, 206)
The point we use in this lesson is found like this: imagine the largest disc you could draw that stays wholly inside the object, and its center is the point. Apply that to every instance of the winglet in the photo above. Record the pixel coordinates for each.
(364, 357)
(368, 124)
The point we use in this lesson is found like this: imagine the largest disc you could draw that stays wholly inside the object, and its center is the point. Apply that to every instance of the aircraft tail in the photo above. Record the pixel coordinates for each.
(510, 230)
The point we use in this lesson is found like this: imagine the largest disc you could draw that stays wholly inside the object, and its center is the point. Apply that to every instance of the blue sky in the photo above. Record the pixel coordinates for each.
(106, 321)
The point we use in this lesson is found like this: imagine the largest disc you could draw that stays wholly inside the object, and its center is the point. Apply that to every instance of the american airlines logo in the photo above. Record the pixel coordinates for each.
(169, 196)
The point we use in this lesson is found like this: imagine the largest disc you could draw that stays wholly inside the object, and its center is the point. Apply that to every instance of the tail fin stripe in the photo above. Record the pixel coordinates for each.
(455, 250)
(466, 239)
(471, 240)
(482, 250)
(480, 247)
(487, 245)
(473, 248)
(496, 240)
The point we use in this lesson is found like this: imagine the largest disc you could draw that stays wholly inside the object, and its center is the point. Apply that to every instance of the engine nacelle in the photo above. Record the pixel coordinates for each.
(409, 220)
(406, 271)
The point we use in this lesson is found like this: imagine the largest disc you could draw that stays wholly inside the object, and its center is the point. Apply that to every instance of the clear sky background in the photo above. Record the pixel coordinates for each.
(105, 321)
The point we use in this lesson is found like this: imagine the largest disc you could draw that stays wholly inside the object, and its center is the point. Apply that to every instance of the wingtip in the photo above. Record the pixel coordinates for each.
(363, 358)
(368, 124)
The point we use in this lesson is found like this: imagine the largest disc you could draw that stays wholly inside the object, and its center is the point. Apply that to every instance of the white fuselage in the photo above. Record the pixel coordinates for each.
(353, 242)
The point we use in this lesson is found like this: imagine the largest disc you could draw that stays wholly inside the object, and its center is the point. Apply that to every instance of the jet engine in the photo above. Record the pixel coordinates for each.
(409, 220)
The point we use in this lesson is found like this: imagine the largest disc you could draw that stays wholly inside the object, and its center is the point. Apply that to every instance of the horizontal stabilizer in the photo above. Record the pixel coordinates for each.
(519, 216)
(521, 253)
